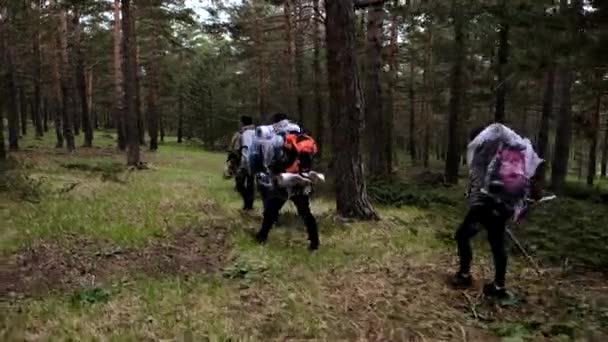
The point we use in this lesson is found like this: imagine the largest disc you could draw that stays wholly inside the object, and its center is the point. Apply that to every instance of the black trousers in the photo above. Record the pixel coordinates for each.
(493, 216)
(273, 205)
(246, 187)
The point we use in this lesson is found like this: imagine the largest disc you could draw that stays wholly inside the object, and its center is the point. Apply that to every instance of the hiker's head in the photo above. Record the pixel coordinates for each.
(246, 120)
(278, 117)
(475, 132)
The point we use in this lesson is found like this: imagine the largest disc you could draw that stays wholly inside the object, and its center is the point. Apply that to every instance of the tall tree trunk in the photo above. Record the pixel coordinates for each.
(154, 93)
(92, 111)
(261, 61)
(119, 107)
(299, 63)
(180, 117)
(161, 120)
(23, 110)
(374, 110)
(428, 97)
(45, 111)
(11, 86)
(393, 65)
(56, 103)
(129, 66)
(346, 111)
(66, 82)
(316, 67)
(605, 150)
(138, 102)
(503, 56)
(37, 100)
(452, 163)
(2, 143)
(412, 121)
(563, 134)
(547, 112)
(595, 132)
(81, 83)
(289, 54)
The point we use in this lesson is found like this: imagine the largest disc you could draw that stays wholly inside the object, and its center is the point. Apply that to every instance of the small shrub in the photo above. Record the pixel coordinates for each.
(17, 183)
(90, 295)
(394, 193)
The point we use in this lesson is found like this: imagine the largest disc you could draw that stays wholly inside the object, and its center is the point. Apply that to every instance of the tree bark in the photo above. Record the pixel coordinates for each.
(23, 110)
(595, 132)
(129, 66)
(180, 117)
(374, 107)
(299, 63)
(118, 108)
(162, 128)
(428, 97)
(92, 111)
(56, 96)
(393, 76)
(81, 83)
(503, 57)
(547, 112)
(2, 143)
(66, 80)
(11, 86)
(138, 102)
(563, 134)
(346, 111)
(37, 114)
(412, 121)
(154, 93)
(289, 54)
(456, 90)
(316, 67)
(605, 151)
(45, 111)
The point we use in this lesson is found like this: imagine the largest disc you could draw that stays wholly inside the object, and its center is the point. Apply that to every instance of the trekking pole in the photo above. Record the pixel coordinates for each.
(523, 251)
(521, 247)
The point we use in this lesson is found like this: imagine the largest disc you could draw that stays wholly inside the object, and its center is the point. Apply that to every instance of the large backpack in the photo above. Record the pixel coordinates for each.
(506, 177)
(246, 144)
(299, 149)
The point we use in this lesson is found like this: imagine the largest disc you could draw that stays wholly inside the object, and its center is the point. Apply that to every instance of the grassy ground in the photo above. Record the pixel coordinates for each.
(91, 251)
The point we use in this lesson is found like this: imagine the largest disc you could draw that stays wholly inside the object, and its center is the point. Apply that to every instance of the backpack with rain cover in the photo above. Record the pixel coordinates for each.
(506, 177)
(501, 164)
(246, 144)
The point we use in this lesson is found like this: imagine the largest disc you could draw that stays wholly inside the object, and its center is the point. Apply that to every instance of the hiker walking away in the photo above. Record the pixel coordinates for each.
(239, 157)
(502, 168)
(283, 149)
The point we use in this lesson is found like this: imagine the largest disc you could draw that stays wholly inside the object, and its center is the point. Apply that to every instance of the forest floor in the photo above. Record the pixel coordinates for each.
(91, 251)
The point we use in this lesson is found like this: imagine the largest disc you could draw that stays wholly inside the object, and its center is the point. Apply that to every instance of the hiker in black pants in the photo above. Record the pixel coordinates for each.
(490, 212)
(239, 146)
(275, 197)
(271, 214)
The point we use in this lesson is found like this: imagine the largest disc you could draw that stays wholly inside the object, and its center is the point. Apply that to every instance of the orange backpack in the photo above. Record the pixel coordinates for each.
(303, 147)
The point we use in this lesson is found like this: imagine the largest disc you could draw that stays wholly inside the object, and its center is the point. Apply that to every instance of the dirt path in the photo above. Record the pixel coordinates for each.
(74, 262)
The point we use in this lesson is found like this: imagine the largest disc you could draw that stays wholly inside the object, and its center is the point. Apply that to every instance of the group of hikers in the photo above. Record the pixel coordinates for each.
(502, 182)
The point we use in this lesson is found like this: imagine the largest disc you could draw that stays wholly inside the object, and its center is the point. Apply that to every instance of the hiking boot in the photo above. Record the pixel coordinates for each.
(462, 281)
(259, 238)
(313, 246)
(491, 290)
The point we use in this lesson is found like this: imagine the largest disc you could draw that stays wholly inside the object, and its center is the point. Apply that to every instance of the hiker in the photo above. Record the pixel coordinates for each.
(282, 149)
(502, 175)
(238, 161)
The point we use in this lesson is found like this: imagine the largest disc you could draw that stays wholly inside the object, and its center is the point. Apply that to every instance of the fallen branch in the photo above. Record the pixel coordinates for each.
(471, 305)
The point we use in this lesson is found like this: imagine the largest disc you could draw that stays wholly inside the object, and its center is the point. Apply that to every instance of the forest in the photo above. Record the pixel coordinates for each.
(115, 119)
